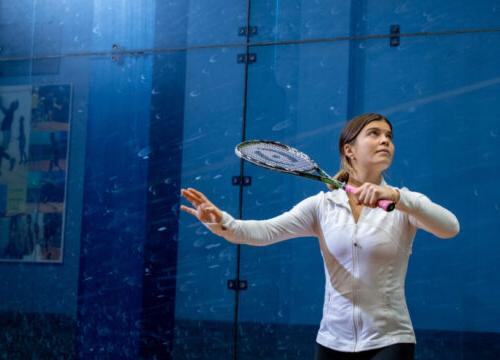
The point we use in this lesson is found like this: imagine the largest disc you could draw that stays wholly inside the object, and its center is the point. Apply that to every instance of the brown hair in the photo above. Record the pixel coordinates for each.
(349, 134)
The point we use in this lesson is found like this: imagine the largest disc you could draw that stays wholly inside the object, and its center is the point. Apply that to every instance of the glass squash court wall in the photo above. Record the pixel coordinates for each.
(158, 102)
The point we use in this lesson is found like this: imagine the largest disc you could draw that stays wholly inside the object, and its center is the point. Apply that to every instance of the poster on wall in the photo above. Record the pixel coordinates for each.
(34, 124)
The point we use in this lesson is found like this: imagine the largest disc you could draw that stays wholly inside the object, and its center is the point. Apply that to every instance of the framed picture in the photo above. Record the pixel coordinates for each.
(34, 124)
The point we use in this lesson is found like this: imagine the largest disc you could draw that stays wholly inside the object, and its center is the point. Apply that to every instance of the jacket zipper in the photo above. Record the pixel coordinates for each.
(354, 268)
(356, 275)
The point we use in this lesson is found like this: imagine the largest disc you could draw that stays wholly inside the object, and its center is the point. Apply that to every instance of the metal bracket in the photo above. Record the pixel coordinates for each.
(116, 51)
(395, 39)
(246, 59)
(235, 284)
(250, 31)
(242, 180)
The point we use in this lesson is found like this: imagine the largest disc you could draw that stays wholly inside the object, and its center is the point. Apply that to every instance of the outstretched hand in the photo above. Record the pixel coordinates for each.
(203, 209)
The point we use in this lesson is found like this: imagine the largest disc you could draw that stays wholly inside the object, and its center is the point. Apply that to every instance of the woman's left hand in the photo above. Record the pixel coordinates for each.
(369, 194)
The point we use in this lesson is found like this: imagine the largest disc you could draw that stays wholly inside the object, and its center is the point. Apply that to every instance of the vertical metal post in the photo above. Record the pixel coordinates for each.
(240, 201)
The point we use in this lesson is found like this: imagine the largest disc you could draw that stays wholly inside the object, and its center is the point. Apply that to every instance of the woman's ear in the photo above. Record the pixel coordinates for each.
(348, 151)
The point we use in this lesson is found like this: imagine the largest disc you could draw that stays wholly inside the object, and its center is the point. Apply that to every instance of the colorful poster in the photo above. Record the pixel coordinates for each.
(33, 162)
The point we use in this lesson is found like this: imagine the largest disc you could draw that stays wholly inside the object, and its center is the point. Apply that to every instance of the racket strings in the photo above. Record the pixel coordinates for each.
(274, 155)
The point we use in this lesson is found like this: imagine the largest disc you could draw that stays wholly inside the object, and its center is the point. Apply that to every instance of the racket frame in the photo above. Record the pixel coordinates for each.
(323, 176)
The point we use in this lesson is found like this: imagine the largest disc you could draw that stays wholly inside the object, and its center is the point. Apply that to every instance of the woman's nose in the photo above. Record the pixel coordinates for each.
(386, 139)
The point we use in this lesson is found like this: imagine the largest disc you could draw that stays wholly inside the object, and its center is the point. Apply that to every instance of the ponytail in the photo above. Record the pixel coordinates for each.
(343, 174)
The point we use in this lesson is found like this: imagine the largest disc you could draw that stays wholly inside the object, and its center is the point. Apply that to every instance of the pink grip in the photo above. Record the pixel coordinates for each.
(387, 205)
(350, 189)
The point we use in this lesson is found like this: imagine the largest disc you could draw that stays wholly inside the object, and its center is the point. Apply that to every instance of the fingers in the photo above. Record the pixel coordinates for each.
(199, 194)
(368, 195)
(189, 210)
(191, 194)
(208, 214)
(373, 197)
(204, 210)
(361, 194)
(192, 197)
(195, 194)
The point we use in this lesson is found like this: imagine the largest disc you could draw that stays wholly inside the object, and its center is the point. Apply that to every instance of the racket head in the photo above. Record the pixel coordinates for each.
(275, 156)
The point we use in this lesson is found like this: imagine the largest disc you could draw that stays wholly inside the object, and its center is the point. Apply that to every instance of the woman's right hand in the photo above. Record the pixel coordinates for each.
(202, 209)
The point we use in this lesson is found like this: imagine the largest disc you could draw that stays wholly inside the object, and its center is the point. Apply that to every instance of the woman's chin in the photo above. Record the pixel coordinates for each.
(382, 165)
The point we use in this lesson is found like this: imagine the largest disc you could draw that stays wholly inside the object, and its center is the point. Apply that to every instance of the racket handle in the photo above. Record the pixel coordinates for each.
(387, 205)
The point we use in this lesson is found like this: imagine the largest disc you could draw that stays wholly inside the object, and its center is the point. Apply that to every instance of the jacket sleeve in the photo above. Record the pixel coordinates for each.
(426, 215)
(300, 221)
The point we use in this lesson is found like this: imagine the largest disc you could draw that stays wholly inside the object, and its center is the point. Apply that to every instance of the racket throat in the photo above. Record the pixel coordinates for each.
(334, 183)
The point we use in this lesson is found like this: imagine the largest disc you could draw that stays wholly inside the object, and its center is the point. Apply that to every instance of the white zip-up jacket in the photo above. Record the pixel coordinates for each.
(365, 262)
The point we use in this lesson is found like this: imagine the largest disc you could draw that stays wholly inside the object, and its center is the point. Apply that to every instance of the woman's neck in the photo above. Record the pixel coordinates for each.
(361, 177)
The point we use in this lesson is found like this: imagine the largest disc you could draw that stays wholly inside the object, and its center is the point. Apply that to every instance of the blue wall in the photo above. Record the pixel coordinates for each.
(159, 102)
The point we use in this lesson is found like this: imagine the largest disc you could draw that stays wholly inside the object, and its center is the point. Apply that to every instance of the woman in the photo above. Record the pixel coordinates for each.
(365, 249)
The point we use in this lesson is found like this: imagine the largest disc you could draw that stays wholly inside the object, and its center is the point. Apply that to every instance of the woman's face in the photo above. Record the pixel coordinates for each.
(373, 147)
